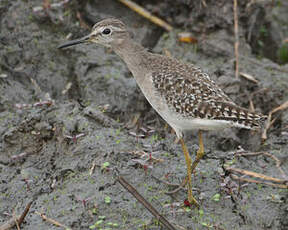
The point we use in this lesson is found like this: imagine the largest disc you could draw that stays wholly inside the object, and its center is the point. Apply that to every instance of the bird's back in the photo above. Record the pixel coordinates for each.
(189, 92)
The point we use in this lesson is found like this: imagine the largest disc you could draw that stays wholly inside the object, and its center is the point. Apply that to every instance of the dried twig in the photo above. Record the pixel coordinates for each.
(16, 220)
(14, 217)
(92, 169)
(278, 162)
(51, 221)
(140, 10)
(19, 156)
(280, 183)
(165, 182)
(25, 154)
(145, 203)
(52, 6)
(37, 104)
(25, 212)
(181, 186)
(258, 182)
(281, 107)
(269, 121)
(236, 44)
(251, 105)
(67, 88)
(74, 138)
(249, 77)
(147, 156)
(252, 108)
(257, 175)
(8, 225)
(203, 3)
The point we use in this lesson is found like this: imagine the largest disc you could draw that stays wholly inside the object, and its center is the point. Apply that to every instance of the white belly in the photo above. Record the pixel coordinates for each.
(177, 121)
(198, 123)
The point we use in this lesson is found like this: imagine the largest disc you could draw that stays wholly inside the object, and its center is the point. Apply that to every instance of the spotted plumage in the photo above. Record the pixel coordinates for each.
(191, 93)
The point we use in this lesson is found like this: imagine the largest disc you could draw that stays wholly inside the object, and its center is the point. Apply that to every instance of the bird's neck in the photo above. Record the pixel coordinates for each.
(133, 54)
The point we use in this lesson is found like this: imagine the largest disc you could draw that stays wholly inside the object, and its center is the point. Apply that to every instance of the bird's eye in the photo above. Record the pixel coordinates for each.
(106, 31)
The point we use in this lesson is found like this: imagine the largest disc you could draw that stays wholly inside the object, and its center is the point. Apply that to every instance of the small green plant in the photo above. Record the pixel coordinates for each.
(229, 163)
(105, 165)
(206, 225)
(94, 211)
(107, 199)
(216, 197)
(187, 209)
(201, 213)
(118, 131)
(115, 225)
(96, 225)
(101, 225)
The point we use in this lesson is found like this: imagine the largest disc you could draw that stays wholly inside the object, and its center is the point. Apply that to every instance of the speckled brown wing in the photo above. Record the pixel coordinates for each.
(190, 92)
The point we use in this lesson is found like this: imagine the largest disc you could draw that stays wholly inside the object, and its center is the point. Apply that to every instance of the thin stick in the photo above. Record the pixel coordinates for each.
(16, 220)
(236, 35)
(25, 212)
(269, 122)
(251, 105)
(92, 169)
(181, 186)
(143, 12)
(258, 182)
(51, 221)
(249, 77)
(257, 175)
(145, 203)
(9, 224)
(278, 162)
(164, 182)
(281, 107)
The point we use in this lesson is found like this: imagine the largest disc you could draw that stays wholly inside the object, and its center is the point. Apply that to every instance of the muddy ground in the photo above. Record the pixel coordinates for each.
(47, 149)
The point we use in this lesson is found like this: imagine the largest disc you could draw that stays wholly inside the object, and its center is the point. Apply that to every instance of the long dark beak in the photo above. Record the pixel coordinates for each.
(75, 42)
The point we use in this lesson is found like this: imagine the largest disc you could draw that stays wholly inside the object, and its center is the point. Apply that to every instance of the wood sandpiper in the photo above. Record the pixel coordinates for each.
(184, 96)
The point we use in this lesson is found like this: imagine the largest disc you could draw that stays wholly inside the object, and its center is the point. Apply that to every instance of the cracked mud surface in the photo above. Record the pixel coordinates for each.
(47, 150)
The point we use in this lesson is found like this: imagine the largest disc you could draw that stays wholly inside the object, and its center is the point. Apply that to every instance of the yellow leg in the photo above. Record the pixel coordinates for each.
(191, 199)
(200, 152)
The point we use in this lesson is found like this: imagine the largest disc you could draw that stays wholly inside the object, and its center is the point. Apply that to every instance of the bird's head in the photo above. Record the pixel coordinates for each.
(109, 32)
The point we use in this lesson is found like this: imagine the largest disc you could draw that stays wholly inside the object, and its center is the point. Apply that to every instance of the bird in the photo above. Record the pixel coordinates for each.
(183, 94)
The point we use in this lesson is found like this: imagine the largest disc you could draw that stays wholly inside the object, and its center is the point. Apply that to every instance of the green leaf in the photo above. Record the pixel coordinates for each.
(216, 197)
(201, 212)
(105, 165)
(107, 199)
(98, 222)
